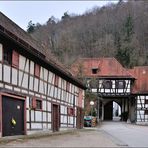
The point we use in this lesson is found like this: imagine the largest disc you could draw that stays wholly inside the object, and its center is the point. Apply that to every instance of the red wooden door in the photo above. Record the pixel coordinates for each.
(55, 118)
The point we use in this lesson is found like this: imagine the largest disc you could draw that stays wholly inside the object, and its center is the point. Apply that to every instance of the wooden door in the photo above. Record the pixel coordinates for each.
(12, 116)
(55, 118)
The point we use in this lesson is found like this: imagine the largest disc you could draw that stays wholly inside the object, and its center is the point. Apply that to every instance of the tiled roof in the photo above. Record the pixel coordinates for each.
(11, 29)
(109, 67)
(141, 75)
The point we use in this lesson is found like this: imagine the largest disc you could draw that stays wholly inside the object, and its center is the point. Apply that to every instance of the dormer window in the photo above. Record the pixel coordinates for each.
(94, 70)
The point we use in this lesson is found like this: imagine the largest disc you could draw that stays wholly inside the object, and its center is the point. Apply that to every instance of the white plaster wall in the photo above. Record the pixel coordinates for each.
(32, 67)
(44, 105)
(48, 106)
(36, 125)
(36, 81)
(45, 74)
(27, 102)
(50, 77)
(107, 90)
(20, 77)
(60, 82)
(49, 117)
(38, 115)
(27, 114)
(31, 83)
(0, 71)
(25, 81)
(14, 76)
(51, 91)
(41, 89)
(22, 60)
(44, 116)
(55, 92)
(7, 73)
(49, 126)
(41, 72)
(32, 115)
(1, 52)
(27, 66)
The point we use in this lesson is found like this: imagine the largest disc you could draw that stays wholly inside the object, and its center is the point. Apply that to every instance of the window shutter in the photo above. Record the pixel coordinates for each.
(68, 109)
(37, 70)
(15, 59)
(71, 111)
(67, 86)
(33, 103)
(56, 80)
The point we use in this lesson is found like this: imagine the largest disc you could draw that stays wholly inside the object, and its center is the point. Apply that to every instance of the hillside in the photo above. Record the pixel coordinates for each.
(119, 30)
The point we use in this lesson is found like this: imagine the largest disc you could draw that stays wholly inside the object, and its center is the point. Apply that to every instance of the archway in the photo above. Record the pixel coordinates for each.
(112, 111)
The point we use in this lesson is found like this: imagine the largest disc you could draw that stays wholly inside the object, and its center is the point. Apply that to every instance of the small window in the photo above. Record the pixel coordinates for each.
(38, 104)
(107, 84)
(120, 84)
(7, 56)
(94, 70)
(37, 70)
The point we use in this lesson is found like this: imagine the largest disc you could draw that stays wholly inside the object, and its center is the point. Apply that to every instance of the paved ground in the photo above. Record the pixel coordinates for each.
(109, 134)
(88, 138)
(124, 134)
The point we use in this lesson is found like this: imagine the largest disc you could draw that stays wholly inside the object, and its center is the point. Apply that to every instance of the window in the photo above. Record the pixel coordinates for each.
(7, 56)
(15, 59)
(107, 84)
(94, 70)
(38, 104)
(37, 70)
(120, 84)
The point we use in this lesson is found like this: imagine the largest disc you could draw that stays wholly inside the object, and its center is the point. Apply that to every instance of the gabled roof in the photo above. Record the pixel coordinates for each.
(107, 67)
(141, 75)
(13, 32)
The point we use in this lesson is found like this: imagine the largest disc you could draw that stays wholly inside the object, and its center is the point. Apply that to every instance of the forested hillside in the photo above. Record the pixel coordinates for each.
(115, 30)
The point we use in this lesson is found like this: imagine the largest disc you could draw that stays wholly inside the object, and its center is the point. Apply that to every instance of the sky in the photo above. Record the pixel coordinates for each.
(21, 12)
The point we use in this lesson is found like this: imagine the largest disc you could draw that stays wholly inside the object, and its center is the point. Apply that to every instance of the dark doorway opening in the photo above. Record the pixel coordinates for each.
(112, 111)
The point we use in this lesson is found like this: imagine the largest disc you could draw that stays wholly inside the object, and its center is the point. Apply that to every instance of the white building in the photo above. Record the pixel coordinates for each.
(36, 93)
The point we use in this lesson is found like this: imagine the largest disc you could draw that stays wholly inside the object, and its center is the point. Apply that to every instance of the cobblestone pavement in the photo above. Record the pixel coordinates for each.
(84, 138)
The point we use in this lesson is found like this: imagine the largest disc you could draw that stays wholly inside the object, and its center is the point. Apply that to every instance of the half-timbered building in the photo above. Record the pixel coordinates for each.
(107, 78)
(140, 91)
(36, 92)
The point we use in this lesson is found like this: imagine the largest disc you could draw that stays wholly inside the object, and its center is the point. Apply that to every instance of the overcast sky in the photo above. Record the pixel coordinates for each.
(21, 12)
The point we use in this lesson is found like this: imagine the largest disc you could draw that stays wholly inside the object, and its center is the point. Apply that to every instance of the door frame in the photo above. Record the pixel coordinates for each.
(59, 124)
(1, 115)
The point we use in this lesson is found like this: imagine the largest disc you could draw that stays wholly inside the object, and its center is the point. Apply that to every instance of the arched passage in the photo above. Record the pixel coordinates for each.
(112, 110)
